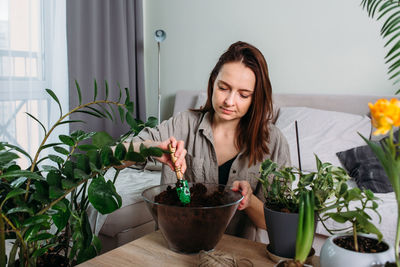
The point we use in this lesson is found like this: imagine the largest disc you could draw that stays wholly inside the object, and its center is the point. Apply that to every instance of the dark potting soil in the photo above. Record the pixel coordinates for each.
(365, 244)
(199, 197)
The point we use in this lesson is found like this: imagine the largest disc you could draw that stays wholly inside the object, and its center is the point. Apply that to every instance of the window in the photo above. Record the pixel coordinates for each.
(33, 56)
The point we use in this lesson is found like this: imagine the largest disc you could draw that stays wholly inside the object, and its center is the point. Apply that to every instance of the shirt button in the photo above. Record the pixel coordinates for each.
(234, 171)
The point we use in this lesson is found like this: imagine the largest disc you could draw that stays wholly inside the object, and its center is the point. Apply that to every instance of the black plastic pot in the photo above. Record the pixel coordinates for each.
(282, 232)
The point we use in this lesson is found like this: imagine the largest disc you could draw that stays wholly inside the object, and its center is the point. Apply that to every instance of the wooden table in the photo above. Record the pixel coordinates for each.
(152, 250)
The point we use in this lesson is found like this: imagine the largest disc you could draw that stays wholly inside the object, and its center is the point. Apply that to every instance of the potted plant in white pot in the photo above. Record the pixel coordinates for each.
(354, 248)
(282, 201)
(42, 196)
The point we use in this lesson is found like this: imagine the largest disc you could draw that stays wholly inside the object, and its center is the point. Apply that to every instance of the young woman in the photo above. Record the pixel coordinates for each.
(225, 141)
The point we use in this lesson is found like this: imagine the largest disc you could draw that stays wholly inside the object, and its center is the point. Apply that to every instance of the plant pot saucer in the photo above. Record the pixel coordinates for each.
(275, 258)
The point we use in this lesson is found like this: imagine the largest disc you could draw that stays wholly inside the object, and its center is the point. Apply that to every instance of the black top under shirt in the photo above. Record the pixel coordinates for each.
(223, 171)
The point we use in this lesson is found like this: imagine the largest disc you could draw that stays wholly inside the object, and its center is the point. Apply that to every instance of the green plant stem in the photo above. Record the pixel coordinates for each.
(2, 244)
(52, 129)
(355, 237)
(17, 232)
(397, 240)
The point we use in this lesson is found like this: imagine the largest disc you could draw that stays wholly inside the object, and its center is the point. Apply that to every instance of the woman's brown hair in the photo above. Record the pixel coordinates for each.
(253, 126)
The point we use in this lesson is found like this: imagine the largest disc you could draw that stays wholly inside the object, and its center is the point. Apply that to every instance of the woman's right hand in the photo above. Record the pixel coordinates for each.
(180, 154)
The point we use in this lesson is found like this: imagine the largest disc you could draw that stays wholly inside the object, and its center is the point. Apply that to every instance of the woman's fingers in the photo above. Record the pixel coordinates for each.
(246, 191)
(180, 153)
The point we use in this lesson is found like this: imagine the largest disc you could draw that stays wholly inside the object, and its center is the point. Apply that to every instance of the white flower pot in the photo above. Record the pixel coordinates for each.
(333, 256)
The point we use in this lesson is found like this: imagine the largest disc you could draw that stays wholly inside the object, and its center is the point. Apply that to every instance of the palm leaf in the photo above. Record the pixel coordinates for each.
(390, 10)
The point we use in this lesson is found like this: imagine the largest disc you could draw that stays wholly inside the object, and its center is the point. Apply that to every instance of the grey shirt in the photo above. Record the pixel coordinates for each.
(194, 128)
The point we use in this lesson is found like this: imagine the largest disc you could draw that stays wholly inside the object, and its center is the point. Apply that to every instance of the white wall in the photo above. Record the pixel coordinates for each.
(311, 46)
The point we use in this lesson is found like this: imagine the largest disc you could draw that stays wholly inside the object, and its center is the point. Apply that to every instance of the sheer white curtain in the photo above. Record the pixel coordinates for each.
(33, 57)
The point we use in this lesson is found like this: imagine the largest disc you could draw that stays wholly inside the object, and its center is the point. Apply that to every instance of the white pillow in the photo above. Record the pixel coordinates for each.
(321, 132)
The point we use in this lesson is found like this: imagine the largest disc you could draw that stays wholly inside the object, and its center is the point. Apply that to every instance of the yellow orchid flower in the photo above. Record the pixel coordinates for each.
(385, 114)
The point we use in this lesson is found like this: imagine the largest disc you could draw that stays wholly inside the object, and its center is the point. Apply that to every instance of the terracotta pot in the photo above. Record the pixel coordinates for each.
(332, 255)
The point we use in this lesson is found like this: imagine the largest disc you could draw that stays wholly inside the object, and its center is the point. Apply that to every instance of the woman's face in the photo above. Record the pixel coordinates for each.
(233, 91)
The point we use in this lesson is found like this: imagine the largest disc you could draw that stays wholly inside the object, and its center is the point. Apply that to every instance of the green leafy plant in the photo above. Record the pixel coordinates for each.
(305, 229)
(356, 216)
(46, 196)
(277, 184)
(389, 9)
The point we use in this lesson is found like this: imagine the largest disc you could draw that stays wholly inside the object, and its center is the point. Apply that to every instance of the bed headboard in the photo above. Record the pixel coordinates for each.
(355, 104)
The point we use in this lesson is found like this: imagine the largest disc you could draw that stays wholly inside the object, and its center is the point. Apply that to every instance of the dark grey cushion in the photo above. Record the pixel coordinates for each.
(362, 164)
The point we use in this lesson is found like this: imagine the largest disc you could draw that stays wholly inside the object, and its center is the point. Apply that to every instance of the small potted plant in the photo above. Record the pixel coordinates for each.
(282, 201)
(354, 249)
(43, 208)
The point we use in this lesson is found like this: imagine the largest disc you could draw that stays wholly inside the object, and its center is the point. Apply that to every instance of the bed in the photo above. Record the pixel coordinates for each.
(328, 124)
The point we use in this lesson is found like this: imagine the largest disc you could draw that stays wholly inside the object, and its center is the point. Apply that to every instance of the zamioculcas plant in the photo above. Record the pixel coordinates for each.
(43, 208)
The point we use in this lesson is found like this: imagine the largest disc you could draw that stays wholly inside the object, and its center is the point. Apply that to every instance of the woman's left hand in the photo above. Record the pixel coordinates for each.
(247, 193)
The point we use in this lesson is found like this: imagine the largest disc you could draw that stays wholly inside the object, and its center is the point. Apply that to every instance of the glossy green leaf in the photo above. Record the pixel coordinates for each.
(63, 214)
(38, 219)
(38, 121)
(55, 192)
(120, 151)
(54, 96)
(106, 155)
(48, 168)
(61, 150)
(78, 89)
(129, 106)
(41, 193)
(134, 156)
(128, 97)
(94, 158)
(6, 157)
(103, 196)
(96, 111)
(80, 175)
(56, 159)
(83, 163)
(54, 178)
(121, 114)
(13, 193)
(95, 90)
(151, 122)
(107, 89)
(26, 154)
(102, 139)
(69, 141)
(21, 173)
(67, 184)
